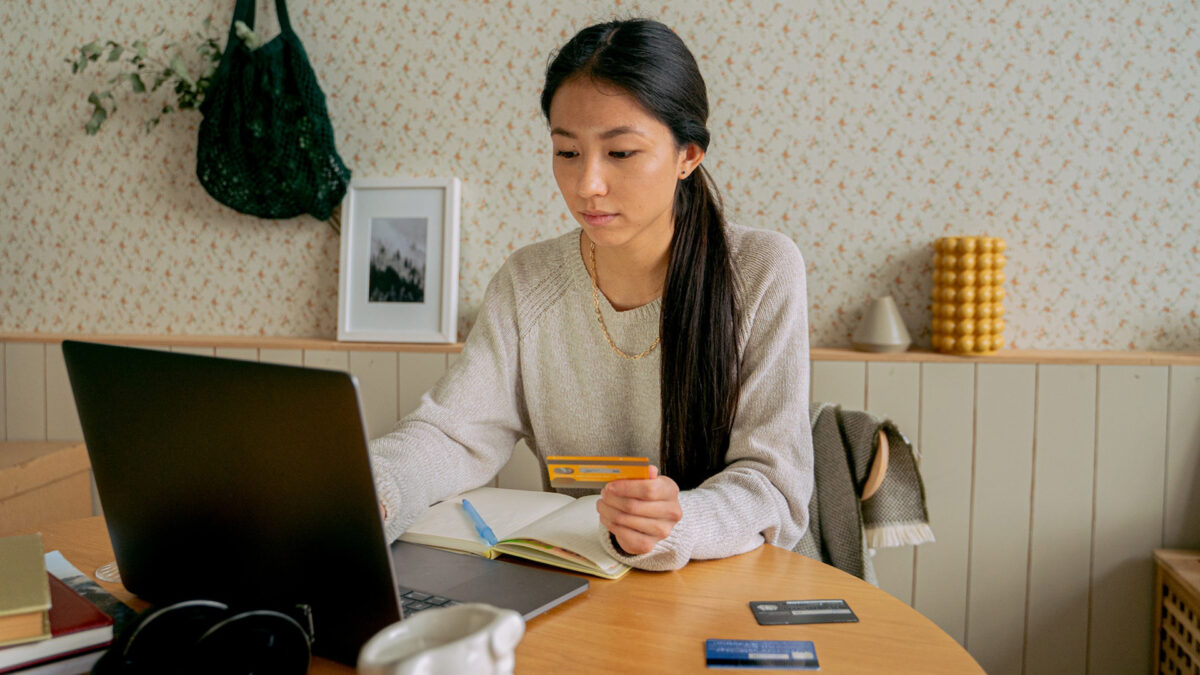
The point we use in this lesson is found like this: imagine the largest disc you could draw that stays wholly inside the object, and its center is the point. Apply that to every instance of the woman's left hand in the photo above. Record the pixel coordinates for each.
(640, 512)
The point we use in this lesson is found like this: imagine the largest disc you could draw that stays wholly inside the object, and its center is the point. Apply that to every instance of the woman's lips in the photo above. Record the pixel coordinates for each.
(597, 218)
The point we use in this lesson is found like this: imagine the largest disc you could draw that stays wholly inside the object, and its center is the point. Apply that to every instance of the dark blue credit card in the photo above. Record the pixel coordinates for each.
(783, 654)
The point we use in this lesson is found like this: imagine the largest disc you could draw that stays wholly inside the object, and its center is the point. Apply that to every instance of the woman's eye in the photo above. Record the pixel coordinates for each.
(621, 154)
(565, 153)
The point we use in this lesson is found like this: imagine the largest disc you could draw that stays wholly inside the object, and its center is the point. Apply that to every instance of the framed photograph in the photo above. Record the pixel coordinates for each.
(398, 280)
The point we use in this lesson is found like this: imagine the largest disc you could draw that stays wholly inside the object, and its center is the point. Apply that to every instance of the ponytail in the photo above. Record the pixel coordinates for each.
(699, 338)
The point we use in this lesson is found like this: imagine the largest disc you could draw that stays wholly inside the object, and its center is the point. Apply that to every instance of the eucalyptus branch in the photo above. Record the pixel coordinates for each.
(145, 72)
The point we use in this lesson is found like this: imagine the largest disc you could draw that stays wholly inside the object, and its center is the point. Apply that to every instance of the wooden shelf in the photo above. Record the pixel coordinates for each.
(1039, 356)
(237, 342)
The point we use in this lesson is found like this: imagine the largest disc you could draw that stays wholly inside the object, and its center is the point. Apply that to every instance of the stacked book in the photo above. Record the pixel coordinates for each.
(46, 626)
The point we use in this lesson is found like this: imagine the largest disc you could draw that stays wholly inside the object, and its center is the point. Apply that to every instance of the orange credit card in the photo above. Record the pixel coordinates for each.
(583, 471)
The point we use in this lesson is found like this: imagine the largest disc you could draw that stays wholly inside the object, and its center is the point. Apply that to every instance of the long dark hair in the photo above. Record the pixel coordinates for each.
(651, 63)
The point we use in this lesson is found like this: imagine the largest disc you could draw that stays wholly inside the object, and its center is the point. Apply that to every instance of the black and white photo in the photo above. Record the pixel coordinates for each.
(398, 279)
(397, 260)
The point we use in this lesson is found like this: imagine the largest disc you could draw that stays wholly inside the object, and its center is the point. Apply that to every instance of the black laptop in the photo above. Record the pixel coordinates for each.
(249, 483)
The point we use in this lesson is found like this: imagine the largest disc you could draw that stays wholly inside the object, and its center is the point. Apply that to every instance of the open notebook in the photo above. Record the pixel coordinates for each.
(544, 527)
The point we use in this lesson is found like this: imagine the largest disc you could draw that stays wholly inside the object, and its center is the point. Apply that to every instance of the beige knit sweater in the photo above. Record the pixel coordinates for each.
(537, 366)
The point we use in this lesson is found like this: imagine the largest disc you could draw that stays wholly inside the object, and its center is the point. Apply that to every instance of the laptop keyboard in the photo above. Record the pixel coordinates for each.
(415, 601)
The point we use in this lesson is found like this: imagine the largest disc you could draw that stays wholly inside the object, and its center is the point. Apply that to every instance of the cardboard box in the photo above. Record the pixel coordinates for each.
(43, 482)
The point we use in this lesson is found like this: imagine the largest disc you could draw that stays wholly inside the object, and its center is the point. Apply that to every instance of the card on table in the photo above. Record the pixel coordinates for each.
(785, 612)
(781, 654)
(592, 471)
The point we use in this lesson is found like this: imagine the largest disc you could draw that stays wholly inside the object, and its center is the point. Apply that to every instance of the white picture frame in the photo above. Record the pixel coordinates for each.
(398, 278)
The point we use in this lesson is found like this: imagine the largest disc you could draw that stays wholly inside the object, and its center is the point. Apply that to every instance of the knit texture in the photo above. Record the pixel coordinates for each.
(842, 528)
(266, 145)
(537, 367)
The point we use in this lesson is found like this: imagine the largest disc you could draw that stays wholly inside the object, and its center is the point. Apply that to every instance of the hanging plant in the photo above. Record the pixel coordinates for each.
(305, 173)
(144, 67)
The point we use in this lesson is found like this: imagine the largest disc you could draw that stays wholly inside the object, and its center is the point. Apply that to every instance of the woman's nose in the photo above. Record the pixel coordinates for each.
(592, 182)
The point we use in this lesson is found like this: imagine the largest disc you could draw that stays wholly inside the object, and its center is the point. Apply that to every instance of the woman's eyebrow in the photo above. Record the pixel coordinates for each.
(611, 133)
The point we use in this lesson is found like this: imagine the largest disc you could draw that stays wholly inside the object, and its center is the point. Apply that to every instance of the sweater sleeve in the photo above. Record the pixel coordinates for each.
(762, 494)
(464, 429)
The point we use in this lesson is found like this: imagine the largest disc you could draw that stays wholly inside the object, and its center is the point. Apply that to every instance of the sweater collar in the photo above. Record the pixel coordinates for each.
(573, 261)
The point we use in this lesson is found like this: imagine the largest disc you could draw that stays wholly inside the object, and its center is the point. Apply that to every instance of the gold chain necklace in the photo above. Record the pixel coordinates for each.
(600, 317)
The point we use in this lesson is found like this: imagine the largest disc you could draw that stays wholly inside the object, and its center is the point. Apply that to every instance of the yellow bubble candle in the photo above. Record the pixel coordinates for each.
(968, 295)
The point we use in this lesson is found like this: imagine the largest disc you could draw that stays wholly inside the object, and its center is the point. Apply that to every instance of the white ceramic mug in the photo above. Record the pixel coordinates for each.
(470, 638)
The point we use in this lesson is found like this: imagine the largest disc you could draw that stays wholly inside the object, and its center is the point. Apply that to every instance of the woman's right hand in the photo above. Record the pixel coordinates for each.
(640, 512)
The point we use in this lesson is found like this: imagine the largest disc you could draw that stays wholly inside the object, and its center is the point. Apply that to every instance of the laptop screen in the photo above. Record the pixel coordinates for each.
(237, 481)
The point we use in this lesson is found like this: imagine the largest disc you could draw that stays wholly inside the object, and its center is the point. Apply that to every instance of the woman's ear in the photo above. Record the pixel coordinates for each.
(689, 158)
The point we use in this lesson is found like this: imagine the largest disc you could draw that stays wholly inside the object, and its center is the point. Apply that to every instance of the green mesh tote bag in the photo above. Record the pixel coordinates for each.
(266, 145)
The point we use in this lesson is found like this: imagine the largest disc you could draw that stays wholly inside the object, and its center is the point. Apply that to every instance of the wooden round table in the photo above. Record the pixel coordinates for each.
(658, 621)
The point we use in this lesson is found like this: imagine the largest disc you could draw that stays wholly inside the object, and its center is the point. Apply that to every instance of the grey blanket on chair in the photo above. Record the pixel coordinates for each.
(842, 528)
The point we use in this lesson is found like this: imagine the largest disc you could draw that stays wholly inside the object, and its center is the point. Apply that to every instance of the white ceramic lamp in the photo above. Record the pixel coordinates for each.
(882, 329)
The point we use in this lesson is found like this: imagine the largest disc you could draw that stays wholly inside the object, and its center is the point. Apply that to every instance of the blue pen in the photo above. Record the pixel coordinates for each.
(481, 527)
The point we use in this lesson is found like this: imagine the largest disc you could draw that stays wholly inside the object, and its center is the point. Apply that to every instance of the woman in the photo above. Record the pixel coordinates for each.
(654, 330)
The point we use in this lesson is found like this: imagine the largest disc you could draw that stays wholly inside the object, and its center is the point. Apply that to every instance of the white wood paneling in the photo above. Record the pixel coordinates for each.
(243, 353)
(523, 470)
(842, 382)
(1130, 466)
(1181, 526)
(1061, 536)
(25, 389)
(894, 392)
(376, 374)
(1000, 515)
(329, 359)
(946, 446)
(62, 419)
(287, 357)
(416, 373)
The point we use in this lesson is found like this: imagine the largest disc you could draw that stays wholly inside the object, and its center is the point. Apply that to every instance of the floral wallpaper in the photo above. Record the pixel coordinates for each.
(863, 129)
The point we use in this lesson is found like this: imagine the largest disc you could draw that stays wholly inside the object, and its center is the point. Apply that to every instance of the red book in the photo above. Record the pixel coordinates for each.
(76, 626)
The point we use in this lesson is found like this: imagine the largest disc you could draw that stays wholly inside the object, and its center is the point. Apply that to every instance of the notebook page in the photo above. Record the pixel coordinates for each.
(576, 528)
(504, 510)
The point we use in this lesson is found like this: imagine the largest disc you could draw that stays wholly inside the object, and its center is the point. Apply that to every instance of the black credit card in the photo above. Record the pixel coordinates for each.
(786, 612)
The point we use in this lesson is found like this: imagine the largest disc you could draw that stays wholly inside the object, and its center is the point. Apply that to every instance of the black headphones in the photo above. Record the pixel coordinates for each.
(205, 636)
